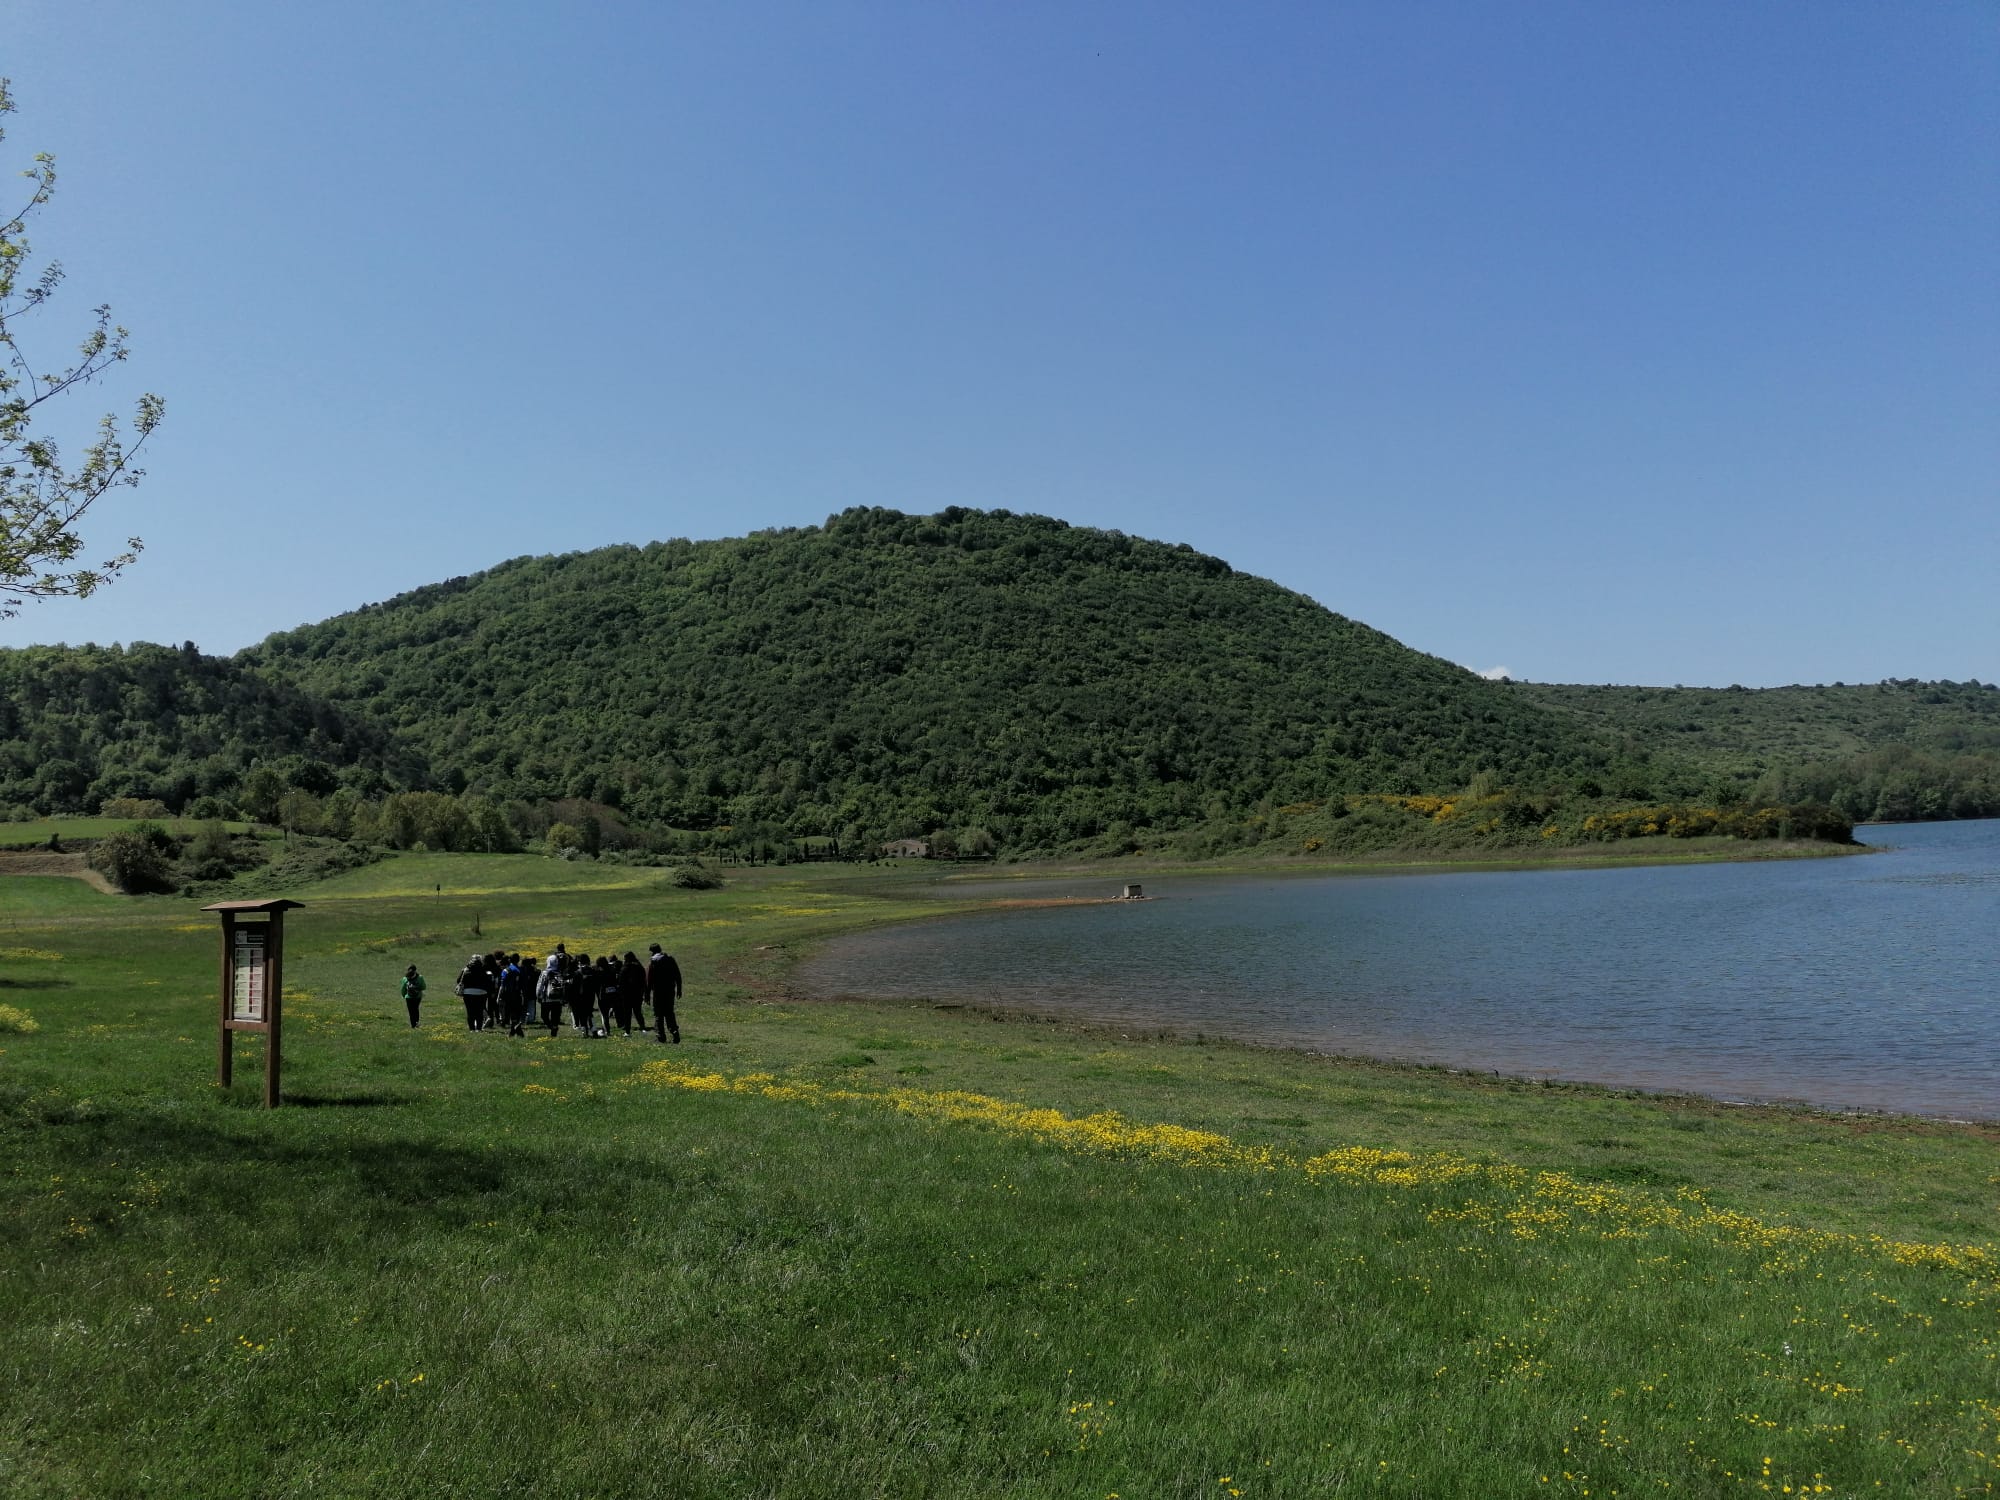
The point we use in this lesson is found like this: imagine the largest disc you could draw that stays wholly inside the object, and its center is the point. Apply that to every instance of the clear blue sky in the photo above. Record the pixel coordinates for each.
(1602, 342)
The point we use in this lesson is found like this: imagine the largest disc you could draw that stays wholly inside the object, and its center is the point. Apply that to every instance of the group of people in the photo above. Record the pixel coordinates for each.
(506, 989)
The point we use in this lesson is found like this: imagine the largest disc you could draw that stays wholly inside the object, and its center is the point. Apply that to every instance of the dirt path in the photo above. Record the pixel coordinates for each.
(47, 862)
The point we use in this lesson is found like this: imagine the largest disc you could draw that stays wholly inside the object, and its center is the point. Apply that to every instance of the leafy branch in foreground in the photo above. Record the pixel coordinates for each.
(41, 499)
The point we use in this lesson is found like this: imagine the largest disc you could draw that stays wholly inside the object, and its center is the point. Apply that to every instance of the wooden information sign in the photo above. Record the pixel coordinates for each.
(253, 977)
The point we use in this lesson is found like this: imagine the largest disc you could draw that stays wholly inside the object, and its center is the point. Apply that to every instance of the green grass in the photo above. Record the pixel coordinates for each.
(830, 1250)
(38, 899)
(37, 832)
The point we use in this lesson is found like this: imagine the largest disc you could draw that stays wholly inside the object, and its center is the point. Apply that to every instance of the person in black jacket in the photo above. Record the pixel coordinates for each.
(611, 994)
(413, 992)
(473, 988)
(583, 992)
(663, 985)
(633, 987)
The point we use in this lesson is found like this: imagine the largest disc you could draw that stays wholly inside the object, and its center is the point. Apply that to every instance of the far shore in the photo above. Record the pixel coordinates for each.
(1681, 852)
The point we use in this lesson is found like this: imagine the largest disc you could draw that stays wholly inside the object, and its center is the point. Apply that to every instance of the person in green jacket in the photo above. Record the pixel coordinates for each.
(413, 992)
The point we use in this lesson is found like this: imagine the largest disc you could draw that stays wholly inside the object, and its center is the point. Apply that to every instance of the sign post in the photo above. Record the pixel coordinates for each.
(253, 984)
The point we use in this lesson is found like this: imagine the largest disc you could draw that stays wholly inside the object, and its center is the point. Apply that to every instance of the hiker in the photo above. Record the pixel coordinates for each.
(552, 990)
(633, 986)
(496, 965)
(513, 996)
(582, 992)
(663, 984)
(474, 988)
(611, 994)
(413, 992)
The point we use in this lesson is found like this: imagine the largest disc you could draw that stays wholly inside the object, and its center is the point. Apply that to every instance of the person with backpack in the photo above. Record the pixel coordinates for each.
(413, 992)
(514, 995)
(553, 990)
(663, 985)
(474, 987)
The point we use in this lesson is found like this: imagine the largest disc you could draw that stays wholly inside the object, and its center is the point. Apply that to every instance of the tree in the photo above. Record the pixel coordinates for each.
(260, 794)
(42, 499)
(300, 812)
(338, 813)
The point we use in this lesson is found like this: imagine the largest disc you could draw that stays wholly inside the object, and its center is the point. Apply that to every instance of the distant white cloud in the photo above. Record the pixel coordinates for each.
(1494, 674)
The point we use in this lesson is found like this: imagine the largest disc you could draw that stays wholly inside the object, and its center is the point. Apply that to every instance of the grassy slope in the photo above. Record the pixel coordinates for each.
(468, 1265)
(38, 831)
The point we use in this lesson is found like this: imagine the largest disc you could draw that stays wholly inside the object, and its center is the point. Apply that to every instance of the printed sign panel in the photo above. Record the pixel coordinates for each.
(248, 975)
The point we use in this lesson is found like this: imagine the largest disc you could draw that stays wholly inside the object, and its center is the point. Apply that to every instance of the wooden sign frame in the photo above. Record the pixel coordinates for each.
(253, 985)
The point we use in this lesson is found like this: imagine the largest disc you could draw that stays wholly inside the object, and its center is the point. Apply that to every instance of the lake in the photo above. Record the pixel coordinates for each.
(1869, 982)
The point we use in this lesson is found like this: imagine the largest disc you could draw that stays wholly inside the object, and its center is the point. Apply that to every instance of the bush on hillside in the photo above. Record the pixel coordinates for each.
(136, 859)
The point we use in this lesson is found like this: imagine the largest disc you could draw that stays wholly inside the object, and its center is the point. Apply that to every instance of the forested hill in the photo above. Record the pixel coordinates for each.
(83, 725)
(1896, 750)
(895, 673)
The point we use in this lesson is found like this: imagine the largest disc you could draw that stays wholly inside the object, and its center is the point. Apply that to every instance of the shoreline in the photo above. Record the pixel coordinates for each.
(769, 973)
(1410, 861)
(1484, 1079)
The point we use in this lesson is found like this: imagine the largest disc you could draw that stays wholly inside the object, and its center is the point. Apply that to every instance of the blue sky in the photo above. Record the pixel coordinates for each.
(1607, 343)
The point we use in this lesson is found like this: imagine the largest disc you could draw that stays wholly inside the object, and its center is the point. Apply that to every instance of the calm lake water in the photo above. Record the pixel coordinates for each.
(1869, 982)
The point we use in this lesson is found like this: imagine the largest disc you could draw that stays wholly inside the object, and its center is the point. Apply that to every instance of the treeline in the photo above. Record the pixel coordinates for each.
(568, 828)
(1486, 817)
(1896, 785)
(1903, 750)
(82, 726)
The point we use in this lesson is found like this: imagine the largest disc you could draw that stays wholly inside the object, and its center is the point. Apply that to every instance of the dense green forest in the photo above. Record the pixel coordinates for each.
(1895, 751)
(1008, 679)
(81, 726)
(893, 674)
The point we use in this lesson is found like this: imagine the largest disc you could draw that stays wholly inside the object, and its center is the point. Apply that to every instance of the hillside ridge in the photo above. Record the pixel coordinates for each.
(901, 673)
(885, 674)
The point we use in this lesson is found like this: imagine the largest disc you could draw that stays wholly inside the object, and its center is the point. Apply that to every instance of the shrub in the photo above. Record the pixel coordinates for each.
(695, 877)
(135, 859)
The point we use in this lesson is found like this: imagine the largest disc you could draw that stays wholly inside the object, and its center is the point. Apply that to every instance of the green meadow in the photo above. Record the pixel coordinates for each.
(37, 831)
(864, 1250)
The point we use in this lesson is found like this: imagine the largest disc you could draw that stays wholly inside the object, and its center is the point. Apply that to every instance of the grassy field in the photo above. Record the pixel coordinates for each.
(36, 833)
(874, 1250)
